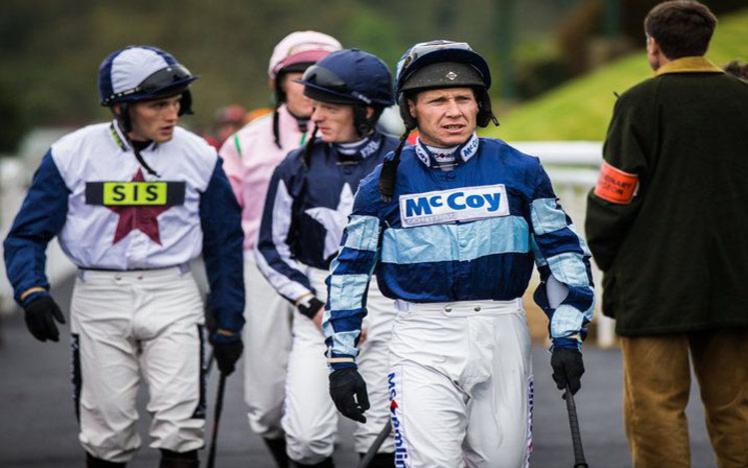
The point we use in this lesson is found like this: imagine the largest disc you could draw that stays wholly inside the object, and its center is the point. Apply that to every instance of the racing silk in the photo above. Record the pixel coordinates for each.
(250, 156)
(307, 208)
(471, 233)
(109, 213)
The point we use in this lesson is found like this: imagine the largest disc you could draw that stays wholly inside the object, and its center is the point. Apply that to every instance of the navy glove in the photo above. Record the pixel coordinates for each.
(227, 350)
(344, 385)
(40, 313)
(567, 368)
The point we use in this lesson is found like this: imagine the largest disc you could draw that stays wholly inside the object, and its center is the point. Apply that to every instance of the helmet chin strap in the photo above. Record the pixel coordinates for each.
(302, 122)
(124, 121)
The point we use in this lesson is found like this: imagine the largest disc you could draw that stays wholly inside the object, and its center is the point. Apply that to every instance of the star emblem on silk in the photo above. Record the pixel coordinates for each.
(334, 220)
(140, 218)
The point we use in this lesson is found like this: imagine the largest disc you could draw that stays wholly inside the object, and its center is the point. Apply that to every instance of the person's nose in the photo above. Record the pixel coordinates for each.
(453, 110)
(172, 112)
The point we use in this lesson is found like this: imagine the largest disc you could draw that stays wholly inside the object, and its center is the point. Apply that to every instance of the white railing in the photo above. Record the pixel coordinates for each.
(572, 166)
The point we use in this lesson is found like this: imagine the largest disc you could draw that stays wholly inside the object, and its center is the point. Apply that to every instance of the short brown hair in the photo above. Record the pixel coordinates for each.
(681, 28)
(738, 69)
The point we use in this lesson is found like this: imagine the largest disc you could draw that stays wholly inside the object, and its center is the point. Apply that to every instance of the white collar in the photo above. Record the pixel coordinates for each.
(466, 150)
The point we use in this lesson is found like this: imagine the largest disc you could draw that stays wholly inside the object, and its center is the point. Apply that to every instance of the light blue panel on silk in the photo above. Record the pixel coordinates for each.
(547, 216)
(539, 259)
(566, 321)
(346, 291)
(456, 242)
(343, 343)
(327, 330)
(582, 241)
(363, 233)
(569, 268)
(591, 309)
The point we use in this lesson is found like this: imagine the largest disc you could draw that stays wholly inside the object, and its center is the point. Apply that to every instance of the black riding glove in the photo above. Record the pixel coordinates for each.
(39, 318)
(310, 306)
(344, 384)
(567, 368)
(226, 353)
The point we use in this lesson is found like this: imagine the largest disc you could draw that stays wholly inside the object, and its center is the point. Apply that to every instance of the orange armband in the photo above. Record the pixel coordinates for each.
(615, 185)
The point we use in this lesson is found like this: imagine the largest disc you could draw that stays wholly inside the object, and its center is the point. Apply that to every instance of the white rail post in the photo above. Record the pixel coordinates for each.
(573, 168)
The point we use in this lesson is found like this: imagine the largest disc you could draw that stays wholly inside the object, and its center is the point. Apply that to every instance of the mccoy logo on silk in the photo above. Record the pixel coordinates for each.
(463, 204)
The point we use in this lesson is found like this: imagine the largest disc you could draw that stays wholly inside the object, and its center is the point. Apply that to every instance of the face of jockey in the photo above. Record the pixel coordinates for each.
(298, 104)
(154, 120)
(334, 122)
(446, 117)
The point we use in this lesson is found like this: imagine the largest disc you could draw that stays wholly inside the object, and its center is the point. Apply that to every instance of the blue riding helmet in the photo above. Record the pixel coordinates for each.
(141, 73)
(350, 76)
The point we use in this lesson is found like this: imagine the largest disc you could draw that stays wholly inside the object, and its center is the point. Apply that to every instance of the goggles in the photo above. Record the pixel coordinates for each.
(158, 82)
(324, 78)
(424, 48)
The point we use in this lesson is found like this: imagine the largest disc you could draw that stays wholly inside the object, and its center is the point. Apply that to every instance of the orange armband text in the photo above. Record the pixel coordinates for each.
(615, 185)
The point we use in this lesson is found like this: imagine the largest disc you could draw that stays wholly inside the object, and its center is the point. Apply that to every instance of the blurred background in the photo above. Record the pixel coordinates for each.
(555, 59)
(556, 65)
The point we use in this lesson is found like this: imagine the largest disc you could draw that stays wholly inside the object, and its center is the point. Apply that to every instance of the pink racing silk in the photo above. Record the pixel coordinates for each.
(250, 156)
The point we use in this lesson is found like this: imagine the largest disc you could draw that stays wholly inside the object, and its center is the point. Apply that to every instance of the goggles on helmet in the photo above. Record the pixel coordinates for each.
(427, 53)
(157, 83)
(425, 48)
(325, 80)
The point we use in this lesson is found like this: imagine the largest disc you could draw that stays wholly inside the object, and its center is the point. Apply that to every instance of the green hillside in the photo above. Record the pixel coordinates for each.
(581, 109)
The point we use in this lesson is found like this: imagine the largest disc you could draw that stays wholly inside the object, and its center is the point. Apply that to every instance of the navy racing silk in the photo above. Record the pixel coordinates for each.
(307, 208)
(471, 233)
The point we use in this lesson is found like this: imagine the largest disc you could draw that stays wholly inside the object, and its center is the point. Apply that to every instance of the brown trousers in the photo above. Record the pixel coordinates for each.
(656, 385)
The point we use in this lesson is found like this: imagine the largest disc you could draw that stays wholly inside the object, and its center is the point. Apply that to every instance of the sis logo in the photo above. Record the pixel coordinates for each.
(462, 204)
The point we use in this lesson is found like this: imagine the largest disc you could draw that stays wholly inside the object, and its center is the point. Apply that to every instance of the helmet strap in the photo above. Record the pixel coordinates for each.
(124, 120)
(389, 169)
(307, 159)
(365, 125)
(276, 127)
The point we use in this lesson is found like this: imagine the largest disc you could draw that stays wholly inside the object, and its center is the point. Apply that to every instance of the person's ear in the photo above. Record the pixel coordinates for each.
(412, 108)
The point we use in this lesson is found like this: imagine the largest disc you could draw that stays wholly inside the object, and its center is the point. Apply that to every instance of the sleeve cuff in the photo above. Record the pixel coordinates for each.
(31, 294)
(341, 362)
(571, 342)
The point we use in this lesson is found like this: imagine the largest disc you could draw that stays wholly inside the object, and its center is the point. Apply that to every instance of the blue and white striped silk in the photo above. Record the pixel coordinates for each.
(463, 259)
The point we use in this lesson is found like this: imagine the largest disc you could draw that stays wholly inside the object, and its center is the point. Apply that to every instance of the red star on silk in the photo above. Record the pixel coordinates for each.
(142, 218)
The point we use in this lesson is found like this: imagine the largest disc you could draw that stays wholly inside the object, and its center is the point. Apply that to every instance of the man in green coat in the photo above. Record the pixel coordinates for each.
(667, 223)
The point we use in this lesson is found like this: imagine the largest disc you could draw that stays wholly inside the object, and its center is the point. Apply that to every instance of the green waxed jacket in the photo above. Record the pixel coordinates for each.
(675, 257)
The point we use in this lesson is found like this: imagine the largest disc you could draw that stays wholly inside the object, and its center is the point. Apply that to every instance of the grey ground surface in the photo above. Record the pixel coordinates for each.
(38, 426)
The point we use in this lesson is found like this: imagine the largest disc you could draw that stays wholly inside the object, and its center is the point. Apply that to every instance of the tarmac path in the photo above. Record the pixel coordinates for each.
(38, 426)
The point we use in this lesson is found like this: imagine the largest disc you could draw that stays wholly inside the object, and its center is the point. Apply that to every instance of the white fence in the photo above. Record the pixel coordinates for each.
(572, 166)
